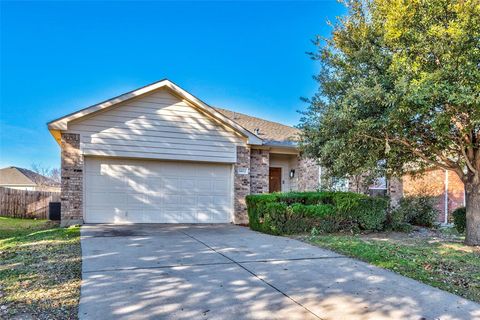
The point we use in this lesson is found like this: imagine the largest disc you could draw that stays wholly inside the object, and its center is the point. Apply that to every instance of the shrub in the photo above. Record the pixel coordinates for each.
(418, 211)
(370, 213)
(256, 205)
(403, 227)
(306, 217)
(297, 212)
(308, 198)
(460, 219)
(396, 221)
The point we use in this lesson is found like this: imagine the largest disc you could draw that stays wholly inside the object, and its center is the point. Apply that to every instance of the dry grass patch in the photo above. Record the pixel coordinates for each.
(40, 269)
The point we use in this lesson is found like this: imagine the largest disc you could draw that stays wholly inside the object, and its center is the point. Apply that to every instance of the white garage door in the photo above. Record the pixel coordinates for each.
(142, 191)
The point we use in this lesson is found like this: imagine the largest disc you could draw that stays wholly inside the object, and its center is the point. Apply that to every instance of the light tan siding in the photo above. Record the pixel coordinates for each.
(157, 126)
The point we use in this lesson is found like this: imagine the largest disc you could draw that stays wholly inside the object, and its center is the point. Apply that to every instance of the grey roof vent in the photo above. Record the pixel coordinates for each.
(256, 131)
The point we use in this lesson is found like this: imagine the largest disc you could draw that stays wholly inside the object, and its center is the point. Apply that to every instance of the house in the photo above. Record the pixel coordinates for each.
(24, 179)
(160, 155)
(444, 185)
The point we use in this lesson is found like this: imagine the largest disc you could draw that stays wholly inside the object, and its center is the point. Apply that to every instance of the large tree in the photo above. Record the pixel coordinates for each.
(399, 86)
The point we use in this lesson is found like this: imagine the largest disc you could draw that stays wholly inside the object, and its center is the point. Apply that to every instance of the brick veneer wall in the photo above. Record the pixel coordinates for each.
(307, 174)
(395, 191)
(432, 183)
(456, 192)
(72, 180)
(241, 185)
(259, 171)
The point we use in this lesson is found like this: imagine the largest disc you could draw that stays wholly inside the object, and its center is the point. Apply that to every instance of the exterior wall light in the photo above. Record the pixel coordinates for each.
(292, 173)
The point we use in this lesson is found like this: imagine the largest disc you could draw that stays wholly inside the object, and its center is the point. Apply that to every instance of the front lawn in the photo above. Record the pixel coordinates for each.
(40, 269)
(441, 261)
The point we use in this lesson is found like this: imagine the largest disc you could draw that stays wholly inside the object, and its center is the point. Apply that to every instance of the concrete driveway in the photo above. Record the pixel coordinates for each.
(230, 272)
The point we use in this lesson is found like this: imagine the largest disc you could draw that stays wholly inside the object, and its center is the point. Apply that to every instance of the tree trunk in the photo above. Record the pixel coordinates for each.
(472, 192)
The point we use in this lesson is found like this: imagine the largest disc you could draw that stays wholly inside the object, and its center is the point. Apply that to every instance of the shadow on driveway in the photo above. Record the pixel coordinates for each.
(230, 272)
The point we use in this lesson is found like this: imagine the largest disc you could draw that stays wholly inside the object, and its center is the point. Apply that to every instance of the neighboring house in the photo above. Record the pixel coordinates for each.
(24, 179)
(160, 155)
(444, 185)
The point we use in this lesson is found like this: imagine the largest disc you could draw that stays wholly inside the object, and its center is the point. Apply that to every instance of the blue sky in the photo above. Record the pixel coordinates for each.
(58, 57)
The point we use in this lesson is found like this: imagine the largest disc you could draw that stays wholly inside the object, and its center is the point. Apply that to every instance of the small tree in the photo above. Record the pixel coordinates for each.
(51, 173)
(55, 175)
(400, 82)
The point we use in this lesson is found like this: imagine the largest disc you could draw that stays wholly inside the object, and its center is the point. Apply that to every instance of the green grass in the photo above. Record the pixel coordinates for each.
(450, 266)
(14, 227)
(40, 269)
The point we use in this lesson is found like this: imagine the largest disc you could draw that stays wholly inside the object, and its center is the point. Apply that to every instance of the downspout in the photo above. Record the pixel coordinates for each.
(320, 178)
(446, 197)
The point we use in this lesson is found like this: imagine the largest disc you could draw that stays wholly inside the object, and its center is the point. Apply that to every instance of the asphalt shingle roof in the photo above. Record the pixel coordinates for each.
(271, 132)
(21, 176)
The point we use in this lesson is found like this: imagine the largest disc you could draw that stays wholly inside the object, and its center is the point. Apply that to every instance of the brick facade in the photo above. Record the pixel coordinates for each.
(433, 183)
(456, 192)
(395, 191)
(259, 171)
(307, 174)
(241, 185)
(257, 161)
(72, 180)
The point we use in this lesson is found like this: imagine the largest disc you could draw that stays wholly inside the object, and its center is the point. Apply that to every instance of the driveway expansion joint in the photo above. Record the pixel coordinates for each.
(212, 263)
(291, 259)
(160, 267)
(255, 275)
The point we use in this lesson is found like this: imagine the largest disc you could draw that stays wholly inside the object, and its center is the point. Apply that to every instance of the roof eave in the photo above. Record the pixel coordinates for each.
(282, 144)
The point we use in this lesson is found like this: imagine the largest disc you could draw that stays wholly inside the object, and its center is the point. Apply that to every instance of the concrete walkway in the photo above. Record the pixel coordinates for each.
(230, 272)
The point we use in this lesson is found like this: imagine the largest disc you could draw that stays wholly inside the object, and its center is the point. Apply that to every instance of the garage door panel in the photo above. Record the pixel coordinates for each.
(137, 191)
(205, 201)
(211, 216)
(204, 186)
(139, 186)
(181, 216)
(97, 215)
(220, 186)
(188, 200)
(136, 201)
(221, 201)
(176, 170)
(172, 200)
(93, 165)
(105, 199)
(171, 184)
(153, 202)
(187, 184)
(102, 182)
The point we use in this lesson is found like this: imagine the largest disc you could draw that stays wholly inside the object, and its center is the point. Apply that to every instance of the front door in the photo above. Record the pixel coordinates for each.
(275, 183)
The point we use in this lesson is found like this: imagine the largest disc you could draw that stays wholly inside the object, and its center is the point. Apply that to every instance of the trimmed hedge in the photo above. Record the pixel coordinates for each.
(297, 212)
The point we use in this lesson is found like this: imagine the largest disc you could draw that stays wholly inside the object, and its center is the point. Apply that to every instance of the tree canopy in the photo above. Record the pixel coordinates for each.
(399, 82)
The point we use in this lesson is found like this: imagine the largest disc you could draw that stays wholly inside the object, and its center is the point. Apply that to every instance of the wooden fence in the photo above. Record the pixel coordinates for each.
(26, 204)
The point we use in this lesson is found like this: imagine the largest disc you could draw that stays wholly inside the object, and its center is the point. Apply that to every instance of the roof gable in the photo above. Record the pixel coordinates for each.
(62, 123)
(21, 176)
(158, 125)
